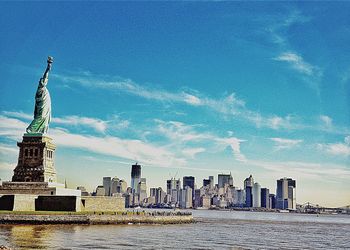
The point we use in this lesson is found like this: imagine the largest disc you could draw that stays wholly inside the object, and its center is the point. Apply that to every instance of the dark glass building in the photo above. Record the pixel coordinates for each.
(265, 199)
(188, 181)
(135, 177)
(248, 197)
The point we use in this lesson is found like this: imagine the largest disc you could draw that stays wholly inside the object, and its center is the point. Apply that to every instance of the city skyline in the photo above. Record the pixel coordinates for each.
(184, 88)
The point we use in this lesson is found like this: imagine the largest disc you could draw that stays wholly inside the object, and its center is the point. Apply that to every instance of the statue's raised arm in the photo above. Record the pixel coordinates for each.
(42, 110)
(45, 77)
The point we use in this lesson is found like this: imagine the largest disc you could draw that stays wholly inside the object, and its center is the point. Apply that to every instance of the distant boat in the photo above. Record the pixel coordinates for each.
(283, 211)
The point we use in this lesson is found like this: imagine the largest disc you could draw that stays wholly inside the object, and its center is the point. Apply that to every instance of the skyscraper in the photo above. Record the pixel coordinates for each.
(188, 181)
(211, 179)
(206, 182)
(256, 195)
(186, 199)
(114, 185)
(286, 193)
(142, 190)
(225, 179)
(249, 182)
(248, 187)
(173, 189)
(249, 196)
(107, 185)
(265, 199)
(135, 177)
(272, 202)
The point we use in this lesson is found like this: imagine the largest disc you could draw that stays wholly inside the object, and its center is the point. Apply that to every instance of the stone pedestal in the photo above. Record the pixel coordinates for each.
(35, 160)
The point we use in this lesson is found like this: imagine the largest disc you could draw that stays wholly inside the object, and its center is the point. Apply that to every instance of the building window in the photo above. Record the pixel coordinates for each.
(26, 152)
(31, 152)
(36, 152)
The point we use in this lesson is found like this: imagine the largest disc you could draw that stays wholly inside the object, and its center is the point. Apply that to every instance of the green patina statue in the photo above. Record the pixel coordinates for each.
(42, 111)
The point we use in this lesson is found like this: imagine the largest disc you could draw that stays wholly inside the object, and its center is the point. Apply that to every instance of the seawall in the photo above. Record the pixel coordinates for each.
(97, 218)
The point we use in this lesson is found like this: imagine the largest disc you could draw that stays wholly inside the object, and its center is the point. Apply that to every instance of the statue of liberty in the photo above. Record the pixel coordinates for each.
(42, 111)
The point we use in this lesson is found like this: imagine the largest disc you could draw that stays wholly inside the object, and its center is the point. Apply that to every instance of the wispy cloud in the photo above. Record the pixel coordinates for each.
(297, 63)
(94, 123)
(304, 170)
(8, 149)
(277, 30)
(181, 133)
(106, 145)
(283, 143)
(5, 166)
(78, 121)
(229, 106)
(327, 121)
(340, 148)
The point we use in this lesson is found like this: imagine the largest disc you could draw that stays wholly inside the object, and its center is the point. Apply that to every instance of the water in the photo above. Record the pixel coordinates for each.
(214, 230)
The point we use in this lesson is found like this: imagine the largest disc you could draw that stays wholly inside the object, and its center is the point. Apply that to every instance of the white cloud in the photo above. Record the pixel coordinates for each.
(279, 26)
(282, 143)
(7, 166)
(297, 62)
(303, 170)
(97, 124)
(191, 99)
(180, 134)
(191, 152)
(229, 106)
(341, 149)
(8, 149)
(326, 120)
(115, 146)
(107, 145)
(20, 115)
(73, 120)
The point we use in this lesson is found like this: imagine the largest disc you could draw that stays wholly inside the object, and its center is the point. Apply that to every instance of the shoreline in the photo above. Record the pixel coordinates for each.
(119, 217)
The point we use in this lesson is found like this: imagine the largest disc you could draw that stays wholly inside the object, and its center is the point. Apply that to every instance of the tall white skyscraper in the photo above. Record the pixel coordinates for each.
(256, 195)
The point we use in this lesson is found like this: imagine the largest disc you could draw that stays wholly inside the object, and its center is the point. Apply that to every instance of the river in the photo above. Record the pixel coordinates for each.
(213, 230)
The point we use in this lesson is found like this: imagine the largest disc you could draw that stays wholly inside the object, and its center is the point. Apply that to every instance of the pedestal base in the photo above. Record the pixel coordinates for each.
(35, 160)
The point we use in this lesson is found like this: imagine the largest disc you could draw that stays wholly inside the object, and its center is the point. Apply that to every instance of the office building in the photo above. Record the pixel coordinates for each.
(256, 195)
(225, 179)
(100, 191)
(211, 179)
(114, 185)
(206, 183)
(189, 181)
(272, 201)
(197, 198)
(173, 184)
(186, 199)
(107, 185)
(286, 194)
(142, 190)
(249, 182)
(122, 187)
(265, 197)
(135, 177)
(248, 196)
(248, 187)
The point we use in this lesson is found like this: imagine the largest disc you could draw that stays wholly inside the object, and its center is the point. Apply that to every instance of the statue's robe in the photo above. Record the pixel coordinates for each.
(42, 111)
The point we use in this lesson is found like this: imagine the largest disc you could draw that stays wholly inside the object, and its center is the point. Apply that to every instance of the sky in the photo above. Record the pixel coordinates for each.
(184, 88)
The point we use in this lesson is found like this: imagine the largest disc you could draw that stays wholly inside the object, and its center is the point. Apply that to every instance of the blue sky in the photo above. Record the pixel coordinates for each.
(185, 89)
